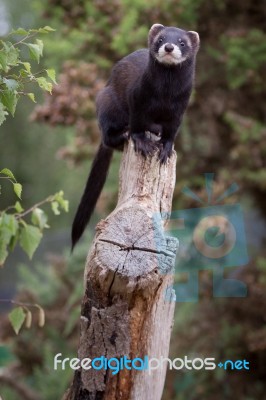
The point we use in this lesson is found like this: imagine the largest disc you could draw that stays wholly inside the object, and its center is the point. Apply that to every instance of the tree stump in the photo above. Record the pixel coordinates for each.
(125, 311)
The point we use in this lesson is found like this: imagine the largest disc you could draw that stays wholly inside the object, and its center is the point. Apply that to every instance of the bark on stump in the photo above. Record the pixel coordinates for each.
(128, 270)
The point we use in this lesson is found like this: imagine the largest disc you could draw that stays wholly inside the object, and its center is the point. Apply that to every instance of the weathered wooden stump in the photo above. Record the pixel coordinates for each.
(125, 310)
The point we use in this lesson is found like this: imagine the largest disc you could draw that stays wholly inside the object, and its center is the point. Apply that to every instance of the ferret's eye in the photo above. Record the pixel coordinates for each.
(160, 40)
(181, 42)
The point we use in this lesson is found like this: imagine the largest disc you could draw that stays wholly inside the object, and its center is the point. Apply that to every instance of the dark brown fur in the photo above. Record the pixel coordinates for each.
(148, 90)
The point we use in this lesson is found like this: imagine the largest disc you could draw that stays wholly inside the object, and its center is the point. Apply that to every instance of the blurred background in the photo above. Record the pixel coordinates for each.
(50, 147)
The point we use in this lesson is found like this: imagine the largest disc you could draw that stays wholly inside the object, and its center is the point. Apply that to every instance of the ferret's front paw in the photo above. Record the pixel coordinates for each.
(165, 152)
(144, 146)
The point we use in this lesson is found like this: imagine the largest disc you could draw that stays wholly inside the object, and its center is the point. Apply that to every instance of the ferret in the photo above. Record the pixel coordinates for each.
(148, 91)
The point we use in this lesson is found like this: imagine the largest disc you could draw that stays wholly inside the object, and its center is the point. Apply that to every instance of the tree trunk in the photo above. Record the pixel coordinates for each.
(125, 310)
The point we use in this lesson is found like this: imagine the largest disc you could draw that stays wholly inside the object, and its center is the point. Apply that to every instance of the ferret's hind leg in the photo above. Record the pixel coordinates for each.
(113, 120)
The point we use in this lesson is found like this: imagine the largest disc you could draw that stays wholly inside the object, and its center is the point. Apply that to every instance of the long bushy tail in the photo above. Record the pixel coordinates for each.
(93, 188)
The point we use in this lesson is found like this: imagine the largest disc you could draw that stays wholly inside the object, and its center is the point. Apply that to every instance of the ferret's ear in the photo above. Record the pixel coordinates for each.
(194, 37)
(155, 29)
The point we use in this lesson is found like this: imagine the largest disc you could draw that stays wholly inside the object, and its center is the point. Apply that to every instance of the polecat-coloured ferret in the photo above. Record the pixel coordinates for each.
(148, 91)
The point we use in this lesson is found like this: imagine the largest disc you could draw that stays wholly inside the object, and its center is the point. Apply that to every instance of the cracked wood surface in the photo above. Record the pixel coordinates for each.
(128, 270)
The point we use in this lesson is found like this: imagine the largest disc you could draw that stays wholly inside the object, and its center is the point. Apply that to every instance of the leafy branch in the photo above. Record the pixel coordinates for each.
(15, 229)
(19, 226)
(16, 73)
(22, 313)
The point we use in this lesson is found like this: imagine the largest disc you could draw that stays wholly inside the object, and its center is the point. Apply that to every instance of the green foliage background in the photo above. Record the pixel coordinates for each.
(224, 132)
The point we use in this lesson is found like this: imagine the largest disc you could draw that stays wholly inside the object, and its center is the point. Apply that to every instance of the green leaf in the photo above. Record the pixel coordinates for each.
(40, 44)
(3, 114)
(18, 207)
(12, 224)
(44, 84)
(8, 173)
(30, 238)
(13, 241)
(19, 31)
(3, 252)
(27, 67)
(17, 317)
(39, 218)
(35, 50)
(32, 97)
(51, 75)
(11, 84)
(12, 54)
(55, 207)
(3, 248)
(9, 100)
(3, 60)
(24, 74)
(17, 189)
(64, 204)
(8, 227)
(47, 29)
(8, 56)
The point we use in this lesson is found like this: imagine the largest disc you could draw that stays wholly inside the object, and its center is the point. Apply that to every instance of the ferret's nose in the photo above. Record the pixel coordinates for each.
(169, 47)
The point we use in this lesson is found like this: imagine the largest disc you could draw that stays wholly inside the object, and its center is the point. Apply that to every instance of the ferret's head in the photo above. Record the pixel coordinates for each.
(172, 46)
